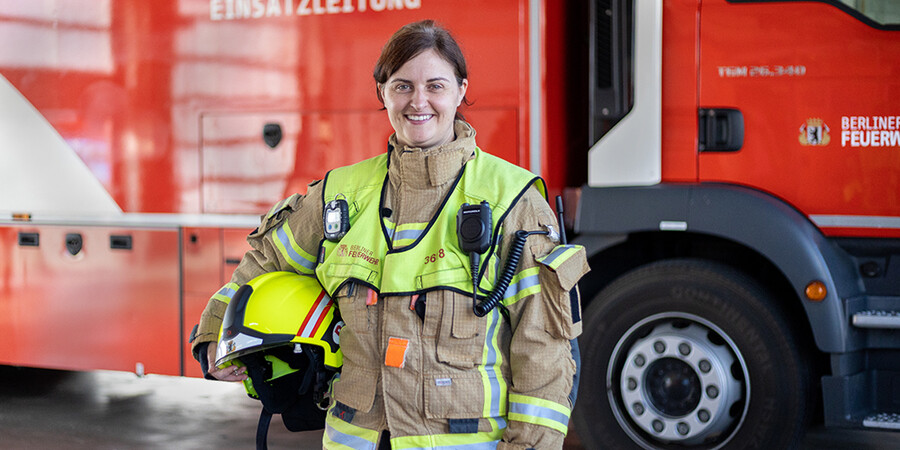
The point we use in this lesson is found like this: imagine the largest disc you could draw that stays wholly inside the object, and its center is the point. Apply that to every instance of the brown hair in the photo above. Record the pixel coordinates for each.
(415, 38)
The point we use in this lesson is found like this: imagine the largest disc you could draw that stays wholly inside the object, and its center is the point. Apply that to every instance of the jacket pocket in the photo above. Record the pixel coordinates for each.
(356, 387)
(461, 335)
(351, 301)
(559, 272)
(355, 271)
(454, 396)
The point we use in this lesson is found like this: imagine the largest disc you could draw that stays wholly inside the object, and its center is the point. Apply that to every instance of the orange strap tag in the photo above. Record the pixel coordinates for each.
(396, 352)
(371, 297)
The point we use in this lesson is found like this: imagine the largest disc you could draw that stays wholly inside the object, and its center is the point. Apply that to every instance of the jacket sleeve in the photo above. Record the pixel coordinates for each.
(287, 239)
(544, 317)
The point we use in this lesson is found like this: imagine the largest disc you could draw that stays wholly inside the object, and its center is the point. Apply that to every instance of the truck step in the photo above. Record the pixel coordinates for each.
(890, 421)
(877, 319)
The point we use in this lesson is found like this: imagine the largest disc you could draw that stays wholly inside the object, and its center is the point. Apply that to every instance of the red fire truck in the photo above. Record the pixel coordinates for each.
(732, 167)
(742, 210)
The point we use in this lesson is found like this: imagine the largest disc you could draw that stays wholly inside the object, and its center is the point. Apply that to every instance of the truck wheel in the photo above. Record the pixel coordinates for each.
(689, 354)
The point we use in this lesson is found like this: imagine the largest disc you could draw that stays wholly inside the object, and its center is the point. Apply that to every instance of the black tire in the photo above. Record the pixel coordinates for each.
(647, 377)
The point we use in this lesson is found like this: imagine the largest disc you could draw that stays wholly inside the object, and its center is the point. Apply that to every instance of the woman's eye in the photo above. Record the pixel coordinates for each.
(402, 87)
(436, 87)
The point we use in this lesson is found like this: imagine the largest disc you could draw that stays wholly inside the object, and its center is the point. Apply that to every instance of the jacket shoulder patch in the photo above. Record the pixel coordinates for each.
(277, 213)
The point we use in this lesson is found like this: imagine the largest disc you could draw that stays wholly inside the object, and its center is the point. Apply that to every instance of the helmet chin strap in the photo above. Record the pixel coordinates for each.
(262, 429)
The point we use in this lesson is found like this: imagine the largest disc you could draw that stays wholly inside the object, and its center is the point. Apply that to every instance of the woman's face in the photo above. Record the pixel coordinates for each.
(421, 100)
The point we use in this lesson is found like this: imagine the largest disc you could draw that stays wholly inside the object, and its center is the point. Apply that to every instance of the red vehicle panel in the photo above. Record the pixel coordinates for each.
(145, 80)
(821, 119)
(680, 91)
(103, 307)
(160, 109)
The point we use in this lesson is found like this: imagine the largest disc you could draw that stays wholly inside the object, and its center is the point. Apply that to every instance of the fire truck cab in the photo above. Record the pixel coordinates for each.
(742, 213)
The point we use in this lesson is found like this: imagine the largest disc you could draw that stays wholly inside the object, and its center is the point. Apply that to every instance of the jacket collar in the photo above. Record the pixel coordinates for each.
(424, 168)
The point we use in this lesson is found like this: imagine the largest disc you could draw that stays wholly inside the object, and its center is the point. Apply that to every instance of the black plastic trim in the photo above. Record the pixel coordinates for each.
(27, 239)
(751, 218)
(120, 242)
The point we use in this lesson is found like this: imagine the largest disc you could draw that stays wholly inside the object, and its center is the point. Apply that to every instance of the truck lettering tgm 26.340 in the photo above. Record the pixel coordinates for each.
(731, 166)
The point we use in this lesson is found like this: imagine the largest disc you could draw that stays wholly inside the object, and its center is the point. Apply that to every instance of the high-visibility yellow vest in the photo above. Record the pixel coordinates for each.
(433, 260)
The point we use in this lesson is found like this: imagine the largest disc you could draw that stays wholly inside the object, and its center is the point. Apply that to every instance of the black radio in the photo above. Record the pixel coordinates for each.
(473, 227)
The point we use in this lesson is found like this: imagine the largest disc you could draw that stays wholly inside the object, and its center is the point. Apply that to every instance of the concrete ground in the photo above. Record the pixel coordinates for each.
(47, 409)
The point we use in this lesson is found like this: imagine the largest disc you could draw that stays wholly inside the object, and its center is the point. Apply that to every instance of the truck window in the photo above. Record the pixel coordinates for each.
(611, 68)
(882, 14)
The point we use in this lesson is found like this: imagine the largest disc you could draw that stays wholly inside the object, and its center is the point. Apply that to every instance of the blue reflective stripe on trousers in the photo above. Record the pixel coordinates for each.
(491, 445)
(348, 440)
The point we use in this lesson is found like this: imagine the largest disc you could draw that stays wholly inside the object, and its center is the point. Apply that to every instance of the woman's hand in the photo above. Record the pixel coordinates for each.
(229, 373)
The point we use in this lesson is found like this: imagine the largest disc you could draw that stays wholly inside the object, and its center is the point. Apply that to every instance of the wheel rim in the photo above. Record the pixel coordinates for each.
(676, 378)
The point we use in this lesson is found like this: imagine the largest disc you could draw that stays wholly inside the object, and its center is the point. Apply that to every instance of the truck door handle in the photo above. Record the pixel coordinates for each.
(720, 130)
(29, 239)
(120, 242)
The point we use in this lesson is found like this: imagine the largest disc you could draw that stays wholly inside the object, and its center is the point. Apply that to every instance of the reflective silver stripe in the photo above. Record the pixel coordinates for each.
(225, 294)
(276, 208)
(283, 238)
(491, 364)
(539, 411)
(351, 441)
(556, 253)
(490, 445)
(408, 234)
(855, 221)
(521, 285)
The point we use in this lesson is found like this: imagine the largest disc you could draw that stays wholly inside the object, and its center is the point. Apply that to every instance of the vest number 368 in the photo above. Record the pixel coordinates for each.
(434, 256)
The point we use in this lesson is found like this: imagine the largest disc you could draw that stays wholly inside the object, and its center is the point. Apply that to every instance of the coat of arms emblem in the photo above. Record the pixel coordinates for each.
(814, 132)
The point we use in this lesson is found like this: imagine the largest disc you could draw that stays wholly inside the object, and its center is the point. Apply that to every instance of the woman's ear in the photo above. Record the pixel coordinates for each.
(462, 91)
(379, 92)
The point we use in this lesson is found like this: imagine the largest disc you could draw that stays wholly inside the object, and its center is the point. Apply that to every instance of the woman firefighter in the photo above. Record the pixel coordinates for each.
(457, 295)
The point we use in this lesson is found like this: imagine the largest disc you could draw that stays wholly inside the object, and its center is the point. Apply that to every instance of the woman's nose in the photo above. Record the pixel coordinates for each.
(419, 99)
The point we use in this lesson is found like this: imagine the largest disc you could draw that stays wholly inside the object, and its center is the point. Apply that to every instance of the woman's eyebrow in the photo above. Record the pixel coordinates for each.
(430, 80)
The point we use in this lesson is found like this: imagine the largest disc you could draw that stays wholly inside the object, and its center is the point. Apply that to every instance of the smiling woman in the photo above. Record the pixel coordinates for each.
(421, 100)
(436, 353)
(421, 79)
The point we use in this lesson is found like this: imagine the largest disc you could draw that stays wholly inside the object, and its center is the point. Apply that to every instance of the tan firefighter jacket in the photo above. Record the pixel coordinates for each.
(449, 378)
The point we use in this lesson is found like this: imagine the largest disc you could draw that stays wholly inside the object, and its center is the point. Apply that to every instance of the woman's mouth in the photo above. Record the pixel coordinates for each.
(419, 118)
